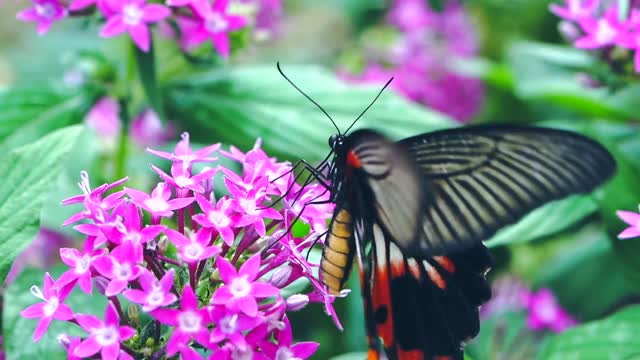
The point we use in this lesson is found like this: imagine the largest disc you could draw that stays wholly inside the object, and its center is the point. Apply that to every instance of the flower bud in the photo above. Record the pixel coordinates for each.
(296, 302)
(134, 314)
(281, 276)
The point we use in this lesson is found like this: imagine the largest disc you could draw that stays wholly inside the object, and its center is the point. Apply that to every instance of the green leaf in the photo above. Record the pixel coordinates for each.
(503, 336)
(237, 106)
(28, 173)
(351, 356)
(548, 72)
(147, 71)
(612, 338)
(546, 220)
(18, 331)
(572, 273)
(30, 113)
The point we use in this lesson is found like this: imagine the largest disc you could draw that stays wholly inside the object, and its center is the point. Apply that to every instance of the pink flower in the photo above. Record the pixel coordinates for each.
(43, 12)
(130, 228)
(218, 217)
(184, 154)
(81, 264)
(215, 25)
(250, 206)
(154, 293)
(231, 326)
(410, 14)
(182, 179)
(285, 350)
(189, 322)
(545, 312)
(104, 337)
(633, 220)
(121, 266)
(601, 32)
(147, 129)
(104, 119)
(52, 306)
(574, 9)
(241, 288)
(134, 16)
(158, 204)
(195, 247)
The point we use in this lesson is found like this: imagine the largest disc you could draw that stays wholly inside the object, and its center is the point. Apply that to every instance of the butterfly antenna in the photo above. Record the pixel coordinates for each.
(370, 105)
(307, 96)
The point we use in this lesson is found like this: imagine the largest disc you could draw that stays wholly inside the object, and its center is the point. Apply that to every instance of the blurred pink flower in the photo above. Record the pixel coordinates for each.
(44, 13)
(134, 16)
(147, 129)
(213, 23)
(602, 31)
(633, 220)
(507, 293)
(545, 312)
(42, 253)
(104, 119)
(575, 9)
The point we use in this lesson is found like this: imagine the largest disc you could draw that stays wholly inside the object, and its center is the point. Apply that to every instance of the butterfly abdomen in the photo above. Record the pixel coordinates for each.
(338, 252)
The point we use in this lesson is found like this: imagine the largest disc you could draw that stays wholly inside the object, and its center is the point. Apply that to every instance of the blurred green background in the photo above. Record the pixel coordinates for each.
(521, 70)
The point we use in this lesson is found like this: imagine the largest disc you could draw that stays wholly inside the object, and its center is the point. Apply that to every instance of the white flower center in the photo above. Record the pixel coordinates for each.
(248, 205)
(183, 181)
(240, 287)
(107, 335)
(47, 11)
(285, 354)
(189, 321)
(193, 251)
(216, 23)
(51, 306)
(132, 14)
(83, 264)
(122, 271)
(605, 33)
(229, 324)
(547, 312)
(155, 297)
(134, 237)
(219, 219)
(156, 204)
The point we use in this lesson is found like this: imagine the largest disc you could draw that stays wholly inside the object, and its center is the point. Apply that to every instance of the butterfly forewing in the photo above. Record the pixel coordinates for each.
(482, 178)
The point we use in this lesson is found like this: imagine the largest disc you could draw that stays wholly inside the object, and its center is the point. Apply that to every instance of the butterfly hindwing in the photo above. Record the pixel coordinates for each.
(423, 308)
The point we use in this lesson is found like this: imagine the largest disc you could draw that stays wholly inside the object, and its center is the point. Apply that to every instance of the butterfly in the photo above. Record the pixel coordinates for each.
(414, 213)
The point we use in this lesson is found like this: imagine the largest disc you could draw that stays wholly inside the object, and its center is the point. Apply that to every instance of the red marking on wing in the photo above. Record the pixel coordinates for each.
(373, 354)
(434, 275)
(442, 357)
(410, 354)
(414, 268)
(446, 263)
(353, 160)
(382, 297)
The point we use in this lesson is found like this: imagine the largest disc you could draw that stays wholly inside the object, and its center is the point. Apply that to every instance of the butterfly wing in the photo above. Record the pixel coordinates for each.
(474, 180)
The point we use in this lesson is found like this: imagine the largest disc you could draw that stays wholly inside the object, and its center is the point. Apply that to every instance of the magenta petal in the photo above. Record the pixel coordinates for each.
(629, 217)
(188, 353)
(179, 203)
(42, 327)
(87, 348)
(189, 299)
(227, 235)
(135, 296)
(221, 43)
(263, 290)
(236, 22)
(27, 15)
(80, 4)
(220, 5)
(114, 26)
(630, 232)
(140, 36)
(64, 313)
(251, 267)
(155, 12)
(227, 271)
(88, 322)
(126, 332)
(304, 350)
(166, 316)
(33, 311)
(110, 352)
(247, 305)
(222, 296)
(43, 27)
(115, 287)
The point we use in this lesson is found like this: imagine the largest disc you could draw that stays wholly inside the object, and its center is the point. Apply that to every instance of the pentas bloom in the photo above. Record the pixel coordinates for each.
(44, 13)
(633, 220)
(209, 273)
(597, 25)
(134, 17)
(545, 312)
(104, 119)
(147, 129)
(426, 44)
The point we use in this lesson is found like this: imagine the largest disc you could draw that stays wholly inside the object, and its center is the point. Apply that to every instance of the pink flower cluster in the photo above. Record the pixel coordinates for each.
(596, 24)
(199, 21)
(420, 58)
(211, 272)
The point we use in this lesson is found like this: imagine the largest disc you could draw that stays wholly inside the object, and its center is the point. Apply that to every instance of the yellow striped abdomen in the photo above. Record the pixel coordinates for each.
(338, 252)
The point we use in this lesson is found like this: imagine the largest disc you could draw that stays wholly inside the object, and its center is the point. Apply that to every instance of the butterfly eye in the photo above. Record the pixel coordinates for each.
(333, 140)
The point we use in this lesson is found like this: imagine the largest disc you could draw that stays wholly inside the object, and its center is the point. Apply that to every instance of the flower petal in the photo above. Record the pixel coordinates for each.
(114, 26)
